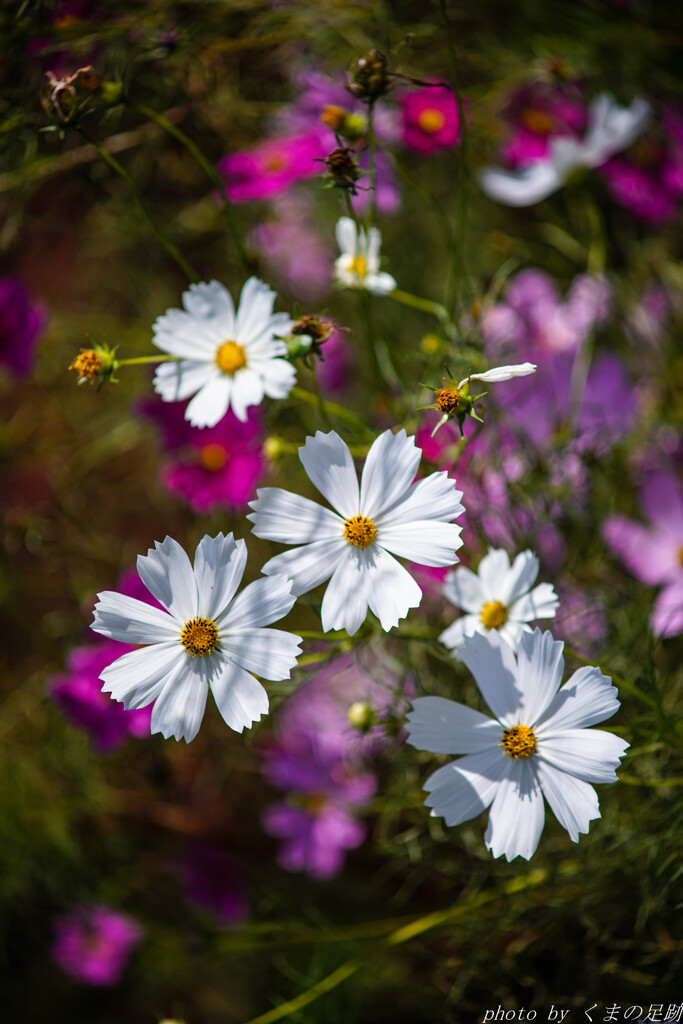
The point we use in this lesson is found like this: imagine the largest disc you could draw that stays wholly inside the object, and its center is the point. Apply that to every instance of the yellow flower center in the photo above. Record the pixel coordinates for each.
(199, 636)
(494, 614)
(230, 357)
(359, 266)
(333, 116)
(274, 162)
(359, 531)
(87, 365)
(447, 399)
(519, 741)
(431, 120)
(537, 121)
(680, 555)
(213, 457)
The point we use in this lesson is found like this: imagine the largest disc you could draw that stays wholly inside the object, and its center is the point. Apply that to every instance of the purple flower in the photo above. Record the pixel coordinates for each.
(272, 167)
(650, 317)
(93, 943)
(214, 882)
(316, 825)
(335, 370)
(430, 120)
(293, 251)
(581, 619)
(647, 178)
(215, 467)
(79, 695)
(654, 553)
(22, 321)
(538, 112)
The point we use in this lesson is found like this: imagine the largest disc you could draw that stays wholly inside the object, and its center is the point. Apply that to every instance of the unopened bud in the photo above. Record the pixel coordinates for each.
(370, 77)
(361, 716)
(94, 364)
(273, 448)
(343, 169)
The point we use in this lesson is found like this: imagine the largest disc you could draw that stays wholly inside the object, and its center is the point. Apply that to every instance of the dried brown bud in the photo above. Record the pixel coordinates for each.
(343, 168)
(370, 77)
(317, 330)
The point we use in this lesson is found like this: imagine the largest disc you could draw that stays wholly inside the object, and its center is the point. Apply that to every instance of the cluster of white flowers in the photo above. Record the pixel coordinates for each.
(206, 636)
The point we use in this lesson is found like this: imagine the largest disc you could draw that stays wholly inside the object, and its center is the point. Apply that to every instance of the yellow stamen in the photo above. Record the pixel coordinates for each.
(537, 121)
(447, 399)
(680, 555)
(230, 357)
(359, 266)
(519, 741)
(359, 531)
(431, 120)
(199, 636)
(213, 457)
(274, 162)
(87, 365)
(494, 614)
(333, 116)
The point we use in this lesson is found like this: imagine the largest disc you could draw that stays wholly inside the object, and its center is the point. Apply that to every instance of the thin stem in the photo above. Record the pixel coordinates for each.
(372, 162)
(210, 171)
(141, 360)
(316, 391)
(425, 305)
(170, 248)
(331, 408)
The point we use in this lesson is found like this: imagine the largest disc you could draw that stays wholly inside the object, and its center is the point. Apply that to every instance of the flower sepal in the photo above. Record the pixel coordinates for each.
(96, 364)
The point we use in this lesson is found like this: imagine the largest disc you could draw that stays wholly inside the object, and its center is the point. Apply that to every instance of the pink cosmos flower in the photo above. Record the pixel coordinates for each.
(93, 944)
(22, 322)
(293, 250)
(538, 112)
(654, 553)
(272, 167)
(647, 178)
(212, 467)
(430, 120)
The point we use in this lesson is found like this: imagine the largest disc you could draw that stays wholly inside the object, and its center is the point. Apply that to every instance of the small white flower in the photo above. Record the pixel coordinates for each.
(536, 746)
(610, 129)
(498, 597)
(206, 637)
(351, 545)
(227, 360)
(358, 265)
(500, 373)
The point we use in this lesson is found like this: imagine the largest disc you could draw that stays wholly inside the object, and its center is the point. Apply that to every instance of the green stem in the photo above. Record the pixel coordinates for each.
(372, 161)
(316, 391)
(331, 408)
(424, 305)
(622, 683)
(141, 360)
(210, 171)
(170, 248)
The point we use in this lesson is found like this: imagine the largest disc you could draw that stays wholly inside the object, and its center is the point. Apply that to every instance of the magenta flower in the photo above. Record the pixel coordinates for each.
(22, 321)
(335, 370)
(214, 882)
(537, 113)
(93, 944)
(79, 695)
(272, 167)
(215, 467)
(430, 120)
(317, 824)
(647, 178)
(654, 553)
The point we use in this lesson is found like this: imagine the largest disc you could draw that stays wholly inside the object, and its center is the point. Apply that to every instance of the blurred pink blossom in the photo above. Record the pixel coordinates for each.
(538, 112)
(293, 250)
(271, 168)
(430, 120)
(93, 944)
(22, 321)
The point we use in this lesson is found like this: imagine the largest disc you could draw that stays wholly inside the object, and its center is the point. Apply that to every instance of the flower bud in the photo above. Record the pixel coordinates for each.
(343, 169)
(96, 363)
(361, 716)
(370, 77)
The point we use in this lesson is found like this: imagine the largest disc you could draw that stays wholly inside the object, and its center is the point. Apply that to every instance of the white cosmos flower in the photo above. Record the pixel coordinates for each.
(389, 513)
(227, 360)
(498, 597)
(536, 746)
(500, 373)
(206, 637)
(358, 265)
(610, 128)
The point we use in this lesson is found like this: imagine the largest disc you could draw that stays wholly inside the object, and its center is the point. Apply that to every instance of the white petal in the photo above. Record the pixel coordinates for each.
(212, 302)
(519, 579)
(392, 591)
(372, 249)
(380, 284)
(511, 632)
(517, 814)
(521, 188)
(177, 381)
(218, 566)
(167, 573)
(255, 309)
(328, 463)
(346, 235)
(500, 373)
(211, 402)
(493, 571)
(425, 541)
(262, 602)
(138, 677)
(586, 698)
(435, 497)
(279, 377)
(132, 621)
(180, 334)
(271, 653)
(540, 603)
(573, 802)
(461, 790)
(266, 345)
(589, 754)
(463, 588)
(454, 635)
(389, 470)
(247, 390)
(309, 565)
(345, 603)
(447, 727)
(539, 673)
(240, 697)
(179, 708)
(492, 663)
(288, 518)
